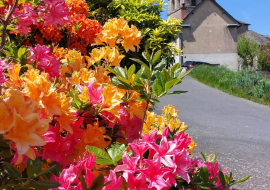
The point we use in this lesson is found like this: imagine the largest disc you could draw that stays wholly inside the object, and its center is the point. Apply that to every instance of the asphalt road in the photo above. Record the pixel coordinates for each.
(237, 130)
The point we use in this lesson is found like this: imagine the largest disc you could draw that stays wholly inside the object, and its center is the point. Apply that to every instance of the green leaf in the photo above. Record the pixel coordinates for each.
(240, 180)
(175, 67)
(221, 177)
(116, 152)
(138, 61)
(126, 81)
(120, 84)
(97, 183)
(120, 72)
(101, 155)
(147, 72)
(36, 165)
(203, 156)
(21, 52)
(46, 171)
(45, 184)
(2, 4)
(171, 83)
(84, 185)
(156, 57)
(146, 55)
(204, 174)
(131, 71)
(176, 92)
(211, 157)
(57, 170)
(152, 100)
(110, 69)
(5, 153)
(139, 75)
(11, 170)
(161, 80)
(103, 161)
(157, 89)
(30, 171)
(75, 98)
(160, 65)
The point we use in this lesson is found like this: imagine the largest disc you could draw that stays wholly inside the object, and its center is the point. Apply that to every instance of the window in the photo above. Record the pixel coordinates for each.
(193, 2)
(173, 5)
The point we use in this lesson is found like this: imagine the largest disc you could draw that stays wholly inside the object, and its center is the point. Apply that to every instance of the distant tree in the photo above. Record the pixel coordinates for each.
(264, 57)
(248, 50)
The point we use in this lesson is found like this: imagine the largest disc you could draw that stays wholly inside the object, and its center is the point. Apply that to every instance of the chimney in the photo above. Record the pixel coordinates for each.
(183, 11)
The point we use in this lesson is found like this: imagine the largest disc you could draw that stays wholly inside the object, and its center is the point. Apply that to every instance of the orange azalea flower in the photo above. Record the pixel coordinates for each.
(117, 31)
(14, 77)
(191, 147)
(77, 7)
(93, 136)
(110, 55)
(27, 126)
(101, 76)
(112, 99)
(66, 116)
(74, 60)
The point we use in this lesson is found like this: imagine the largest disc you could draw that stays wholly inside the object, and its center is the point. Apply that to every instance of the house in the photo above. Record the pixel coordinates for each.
(209, 32)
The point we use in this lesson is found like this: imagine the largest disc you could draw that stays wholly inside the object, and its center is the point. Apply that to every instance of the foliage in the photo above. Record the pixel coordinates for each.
(246, 84)
(72, 118)
(264, 57)
(247, 49)
(157, 33)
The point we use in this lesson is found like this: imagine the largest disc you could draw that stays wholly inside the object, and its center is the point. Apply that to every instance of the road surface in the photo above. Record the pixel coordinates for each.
(237, 130)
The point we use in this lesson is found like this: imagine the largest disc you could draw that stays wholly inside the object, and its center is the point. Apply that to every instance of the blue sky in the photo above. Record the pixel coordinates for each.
(254, 12)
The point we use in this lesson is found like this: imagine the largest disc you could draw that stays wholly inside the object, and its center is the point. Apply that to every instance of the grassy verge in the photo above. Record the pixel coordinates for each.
(245, 84)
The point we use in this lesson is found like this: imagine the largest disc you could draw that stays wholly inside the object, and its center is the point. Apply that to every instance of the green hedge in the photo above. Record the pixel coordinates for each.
(245, 84)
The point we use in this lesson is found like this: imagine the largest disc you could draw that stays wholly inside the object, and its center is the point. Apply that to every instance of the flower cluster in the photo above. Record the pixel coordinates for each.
(21, 122)
(117, 31)
(65, 117)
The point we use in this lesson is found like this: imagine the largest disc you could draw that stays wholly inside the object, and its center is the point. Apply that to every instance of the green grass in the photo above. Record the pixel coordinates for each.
(245, 84)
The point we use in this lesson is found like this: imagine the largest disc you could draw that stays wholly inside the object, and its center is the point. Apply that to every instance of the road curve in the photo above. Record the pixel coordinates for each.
(237, 130)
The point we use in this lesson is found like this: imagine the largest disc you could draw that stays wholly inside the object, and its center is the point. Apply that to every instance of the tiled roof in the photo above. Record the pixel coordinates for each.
(260, 39)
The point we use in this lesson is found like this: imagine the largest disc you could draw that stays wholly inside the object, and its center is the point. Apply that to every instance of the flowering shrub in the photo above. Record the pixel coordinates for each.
(72, 118)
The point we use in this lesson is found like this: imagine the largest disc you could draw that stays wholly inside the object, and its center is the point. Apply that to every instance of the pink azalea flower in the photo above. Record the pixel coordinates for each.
(42, 54)
(151, 138)
(58, 148)
(182, 141)
(3, 66)
(57, 14)
(115, 183)
(69, 179)
(133, 128)
(155, 175)
(164, 151)
(53, 68)
(95, 95)
(2, 77)
(52, 2)
(87, 164)
(136, 183)
(139, 150)
(25, 20)
(183, 163)
(129, 164)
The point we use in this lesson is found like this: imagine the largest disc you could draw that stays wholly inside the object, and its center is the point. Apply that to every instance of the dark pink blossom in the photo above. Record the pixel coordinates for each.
(57, 14)
(115, 182)
(95, 94)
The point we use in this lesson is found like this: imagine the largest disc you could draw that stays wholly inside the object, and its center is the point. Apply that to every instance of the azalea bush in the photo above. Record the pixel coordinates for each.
(72, 118)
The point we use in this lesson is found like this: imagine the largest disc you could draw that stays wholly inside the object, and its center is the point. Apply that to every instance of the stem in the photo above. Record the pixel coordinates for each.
(5, 23)
(24, 13)
(147, 103)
